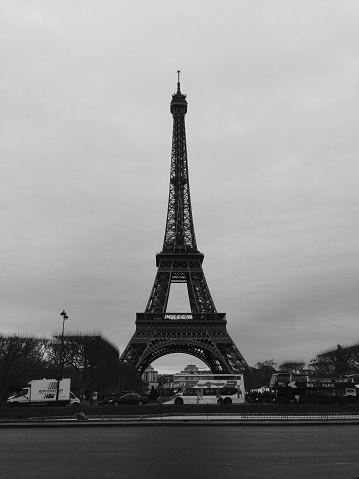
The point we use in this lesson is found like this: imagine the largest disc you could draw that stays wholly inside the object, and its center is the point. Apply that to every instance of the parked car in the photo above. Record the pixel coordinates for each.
(130, 398)
(108, 400)
(105, 401)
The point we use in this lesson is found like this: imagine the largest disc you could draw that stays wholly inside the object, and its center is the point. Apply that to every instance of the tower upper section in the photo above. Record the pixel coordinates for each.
(179, 234)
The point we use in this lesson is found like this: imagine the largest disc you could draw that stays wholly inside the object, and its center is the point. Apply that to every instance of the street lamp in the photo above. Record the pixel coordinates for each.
(61, 367)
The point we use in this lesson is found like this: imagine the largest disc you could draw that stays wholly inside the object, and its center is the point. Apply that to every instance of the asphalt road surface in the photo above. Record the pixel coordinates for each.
(173, 452)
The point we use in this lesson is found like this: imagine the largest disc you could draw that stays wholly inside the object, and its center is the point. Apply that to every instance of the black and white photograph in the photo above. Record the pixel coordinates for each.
(179, 253)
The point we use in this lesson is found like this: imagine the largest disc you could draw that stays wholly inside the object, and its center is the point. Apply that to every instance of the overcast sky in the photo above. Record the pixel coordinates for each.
(272, 136)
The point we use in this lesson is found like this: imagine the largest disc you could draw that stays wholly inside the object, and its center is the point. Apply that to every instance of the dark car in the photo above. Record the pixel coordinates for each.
(130, 398)
(105, 402)
(108, 401)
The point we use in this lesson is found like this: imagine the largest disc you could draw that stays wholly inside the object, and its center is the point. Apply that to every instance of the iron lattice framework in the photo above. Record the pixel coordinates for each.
(201, 333)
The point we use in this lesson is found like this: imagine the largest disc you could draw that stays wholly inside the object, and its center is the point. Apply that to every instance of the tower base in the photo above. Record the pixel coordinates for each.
(202, 335)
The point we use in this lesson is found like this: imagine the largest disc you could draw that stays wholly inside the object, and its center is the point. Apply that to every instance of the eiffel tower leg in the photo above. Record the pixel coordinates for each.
(198, 293)
(158, 299)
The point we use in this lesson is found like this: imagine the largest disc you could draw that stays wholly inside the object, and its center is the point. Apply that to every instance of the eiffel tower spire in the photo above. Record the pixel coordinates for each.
(203, 332)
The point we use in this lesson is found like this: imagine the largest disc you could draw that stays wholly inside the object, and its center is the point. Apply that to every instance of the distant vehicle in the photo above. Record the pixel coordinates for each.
(130, 398)
(41, 392)
(108, 400)
(260, 395)
(210, 389)
(293, 388)
(105, 401)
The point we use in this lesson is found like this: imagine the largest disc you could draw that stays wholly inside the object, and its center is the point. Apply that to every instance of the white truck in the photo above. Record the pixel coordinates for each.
(44, 392)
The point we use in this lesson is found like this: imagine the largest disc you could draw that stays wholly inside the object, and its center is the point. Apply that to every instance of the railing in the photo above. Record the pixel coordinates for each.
(38, 412)
(275, 412)
(180, 316)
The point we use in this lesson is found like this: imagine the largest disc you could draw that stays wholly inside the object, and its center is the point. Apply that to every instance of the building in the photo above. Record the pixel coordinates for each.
(150, 376)
(190, 372)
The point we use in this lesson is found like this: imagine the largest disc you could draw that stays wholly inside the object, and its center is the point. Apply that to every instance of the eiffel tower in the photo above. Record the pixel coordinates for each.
(201, 333)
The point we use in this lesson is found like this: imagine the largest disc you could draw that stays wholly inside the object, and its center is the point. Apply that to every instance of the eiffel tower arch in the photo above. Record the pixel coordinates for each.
(201, 333)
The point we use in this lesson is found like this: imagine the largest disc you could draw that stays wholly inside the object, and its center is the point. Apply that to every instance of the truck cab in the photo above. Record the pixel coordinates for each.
(22, 397)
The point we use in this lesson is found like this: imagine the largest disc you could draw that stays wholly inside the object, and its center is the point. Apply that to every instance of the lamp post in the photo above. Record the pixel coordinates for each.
(61, 367)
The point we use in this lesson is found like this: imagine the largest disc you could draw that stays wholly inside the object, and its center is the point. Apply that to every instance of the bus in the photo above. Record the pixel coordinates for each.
(210, 389)
(293, 388)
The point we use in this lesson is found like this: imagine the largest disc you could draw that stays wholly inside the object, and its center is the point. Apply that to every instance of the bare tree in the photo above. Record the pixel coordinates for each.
(290, 366)
(19, 356)
(336, 362)
(93, 359)
(264, 370)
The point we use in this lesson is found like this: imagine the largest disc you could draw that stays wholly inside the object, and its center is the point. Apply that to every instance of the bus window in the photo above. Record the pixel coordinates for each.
(228, 391)
(210, 392)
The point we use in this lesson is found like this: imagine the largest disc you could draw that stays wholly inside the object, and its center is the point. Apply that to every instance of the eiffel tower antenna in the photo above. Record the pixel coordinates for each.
(201, 333)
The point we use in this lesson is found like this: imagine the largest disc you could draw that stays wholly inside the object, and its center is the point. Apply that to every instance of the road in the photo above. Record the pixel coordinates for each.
(181, 452)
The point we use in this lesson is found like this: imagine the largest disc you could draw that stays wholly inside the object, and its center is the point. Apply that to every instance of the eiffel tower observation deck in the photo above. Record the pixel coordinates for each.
(202, 332)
